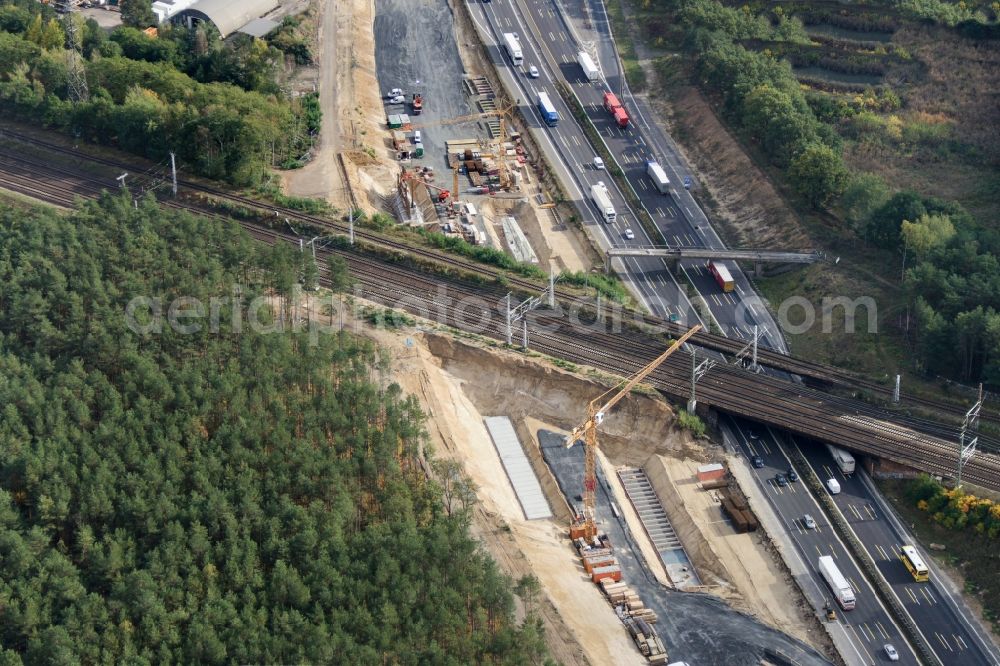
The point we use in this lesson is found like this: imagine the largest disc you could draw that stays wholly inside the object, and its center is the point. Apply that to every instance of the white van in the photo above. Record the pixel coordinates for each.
(833, 486)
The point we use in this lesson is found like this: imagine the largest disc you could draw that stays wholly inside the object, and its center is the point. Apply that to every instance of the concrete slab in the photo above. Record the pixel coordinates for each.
(522, 477)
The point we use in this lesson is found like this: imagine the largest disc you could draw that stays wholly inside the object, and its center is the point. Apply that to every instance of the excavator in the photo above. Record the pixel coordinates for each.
(585, 525)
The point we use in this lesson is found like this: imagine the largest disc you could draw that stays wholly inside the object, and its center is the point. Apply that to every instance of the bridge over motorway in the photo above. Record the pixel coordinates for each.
(674, 254)
(820, 375)
(789, 405)
(760, 397)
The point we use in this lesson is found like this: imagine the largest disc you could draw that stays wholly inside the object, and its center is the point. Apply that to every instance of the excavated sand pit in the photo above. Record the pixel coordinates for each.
(459, 381)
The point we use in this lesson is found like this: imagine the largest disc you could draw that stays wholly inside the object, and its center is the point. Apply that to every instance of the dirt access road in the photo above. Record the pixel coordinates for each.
(321, 178)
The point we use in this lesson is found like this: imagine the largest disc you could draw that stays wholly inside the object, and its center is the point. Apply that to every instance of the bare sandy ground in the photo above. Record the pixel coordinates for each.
(353, 126)
(580, 626)
(750, 564)
(353, 117)
(457, 382)
(321, 178)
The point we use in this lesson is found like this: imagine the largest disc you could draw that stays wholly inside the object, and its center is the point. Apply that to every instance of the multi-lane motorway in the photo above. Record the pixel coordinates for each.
(649, 276)
(938, 615)
(550, 43)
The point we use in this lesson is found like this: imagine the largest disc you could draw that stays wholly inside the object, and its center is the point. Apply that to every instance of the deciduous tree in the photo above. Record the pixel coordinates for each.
(818, 174)
(137, 13)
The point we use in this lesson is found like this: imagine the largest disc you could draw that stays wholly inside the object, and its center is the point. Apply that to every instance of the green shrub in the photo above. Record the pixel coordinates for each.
(691, 422)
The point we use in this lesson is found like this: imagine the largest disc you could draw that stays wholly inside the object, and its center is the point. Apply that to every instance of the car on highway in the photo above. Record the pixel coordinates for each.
(781, 480)
(792, 476)
(753, 435)
(757, 462)
(809, 522)
(890, 651)
(687, 182)
(833, 486)
(629, 235)
(599, 164)
(533, 72)
(398, 99)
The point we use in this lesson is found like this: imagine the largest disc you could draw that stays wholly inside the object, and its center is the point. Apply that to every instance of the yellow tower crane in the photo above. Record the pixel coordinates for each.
(504, 113)
(586, 526)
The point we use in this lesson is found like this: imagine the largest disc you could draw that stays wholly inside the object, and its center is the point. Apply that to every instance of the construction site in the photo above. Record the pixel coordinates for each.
(625, 530)
(463, 168)
(638, 560)
(650, 545)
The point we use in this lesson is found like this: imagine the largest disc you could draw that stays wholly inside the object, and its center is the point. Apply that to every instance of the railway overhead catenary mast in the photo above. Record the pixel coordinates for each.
(586, 526)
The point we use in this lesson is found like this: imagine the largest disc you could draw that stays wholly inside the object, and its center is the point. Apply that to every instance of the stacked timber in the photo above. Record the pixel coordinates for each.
(626, 601)
(734, 504)
(602, 566)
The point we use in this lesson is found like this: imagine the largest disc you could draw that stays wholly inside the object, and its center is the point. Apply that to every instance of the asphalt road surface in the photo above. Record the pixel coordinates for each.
(551, 42)
(936, 612)
(931, 605)
(569, 150)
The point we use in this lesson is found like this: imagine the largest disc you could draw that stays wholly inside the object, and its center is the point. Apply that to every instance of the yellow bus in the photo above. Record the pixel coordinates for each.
(914, 564)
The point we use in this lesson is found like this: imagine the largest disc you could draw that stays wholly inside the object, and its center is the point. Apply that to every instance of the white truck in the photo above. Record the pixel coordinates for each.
(513, 45)
(599, 194)
(587, 65)
(844, 460)
(658, 176)
(841, 589)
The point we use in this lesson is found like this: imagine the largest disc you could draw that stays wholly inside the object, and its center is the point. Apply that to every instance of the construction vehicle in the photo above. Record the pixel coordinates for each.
(442, 194)
(503, 113)
(585, 525)
(417, 103)
(646, 639)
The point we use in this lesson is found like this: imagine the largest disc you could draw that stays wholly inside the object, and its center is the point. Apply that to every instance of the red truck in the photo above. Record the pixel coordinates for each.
(615, 108)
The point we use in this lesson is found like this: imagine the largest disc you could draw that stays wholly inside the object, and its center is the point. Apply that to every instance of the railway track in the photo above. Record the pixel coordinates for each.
(816, 372)
(781, 403)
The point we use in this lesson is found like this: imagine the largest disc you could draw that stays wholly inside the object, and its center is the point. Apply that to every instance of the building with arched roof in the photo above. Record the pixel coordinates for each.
(227, 16)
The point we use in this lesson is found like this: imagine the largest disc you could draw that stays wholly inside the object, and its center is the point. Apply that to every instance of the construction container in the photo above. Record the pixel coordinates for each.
(715, 485)
(591, 562)
(614, 572)
(711, 472)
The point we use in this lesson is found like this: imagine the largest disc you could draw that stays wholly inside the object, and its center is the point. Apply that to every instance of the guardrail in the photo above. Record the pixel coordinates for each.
(613, 168)
(865, 563)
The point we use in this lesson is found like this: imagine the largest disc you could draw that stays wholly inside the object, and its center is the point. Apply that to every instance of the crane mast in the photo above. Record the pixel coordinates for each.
(586, 526)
